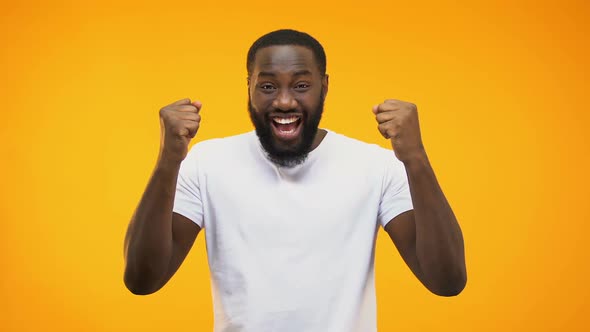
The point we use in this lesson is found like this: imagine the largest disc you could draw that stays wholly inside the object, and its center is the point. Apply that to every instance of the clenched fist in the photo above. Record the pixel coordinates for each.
(179, 123)
(398, 121)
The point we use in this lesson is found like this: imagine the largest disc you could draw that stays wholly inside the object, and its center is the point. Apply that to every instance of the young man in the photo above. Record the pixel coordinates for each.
(291, 212)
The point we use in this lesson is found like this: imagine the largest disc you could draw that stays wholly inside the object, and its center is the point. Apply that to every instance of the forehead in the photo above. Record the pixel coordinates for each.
(284, 58)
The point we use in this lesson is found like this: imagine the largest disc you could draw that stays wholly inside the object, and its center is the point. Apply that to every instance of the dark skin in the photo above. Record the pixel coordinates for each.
(286, 81)
(157, 240)
(428, 238)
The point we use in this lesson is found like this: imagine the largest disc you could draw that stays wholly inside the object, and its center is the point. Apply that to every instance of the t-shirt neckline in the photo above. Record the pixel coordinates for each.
(311, 156)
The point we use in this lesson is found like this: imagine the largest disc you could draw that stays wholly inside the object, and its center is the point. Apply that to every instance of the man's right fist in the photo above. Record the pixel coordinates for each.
(179, 123)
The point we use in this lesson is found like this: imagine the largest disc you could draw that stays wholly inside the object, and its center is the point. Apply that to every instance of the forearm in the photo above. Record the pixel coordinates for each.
(439, 241)
(149, 241)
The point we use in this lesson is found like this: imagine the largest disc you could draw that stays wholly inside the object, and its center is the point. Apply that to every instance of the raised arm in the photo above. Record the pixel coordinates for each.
(158, 240)
(428, 238)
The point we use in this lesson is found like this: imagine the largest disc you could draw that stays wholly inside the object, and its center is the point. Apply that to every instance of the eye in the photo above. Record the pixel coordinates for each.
(302, 86)
(267, 87)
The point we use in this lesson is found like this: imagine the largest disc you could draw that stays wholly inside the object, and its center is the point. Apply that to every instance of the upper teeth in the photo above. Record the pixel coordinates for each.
(286, 120)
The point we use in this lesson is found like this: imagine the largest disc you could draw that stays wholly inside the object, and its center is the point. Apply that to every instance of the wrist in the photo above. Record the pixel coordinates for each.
(415, 159)
(167, 164)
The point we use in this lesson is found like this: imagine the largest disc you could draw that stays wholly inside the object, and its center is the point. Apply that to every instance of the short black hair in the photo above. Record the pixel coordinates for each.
(287, 37)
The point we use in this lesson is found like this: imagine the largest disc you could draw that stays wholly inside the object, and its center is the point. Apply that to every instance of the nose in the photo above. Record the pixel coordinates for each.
(284, 101)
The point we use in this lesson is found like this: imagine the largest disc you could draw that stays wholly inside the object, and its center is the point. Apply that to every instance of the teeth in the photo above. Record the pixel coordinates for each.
(286, 120)
(287, 131)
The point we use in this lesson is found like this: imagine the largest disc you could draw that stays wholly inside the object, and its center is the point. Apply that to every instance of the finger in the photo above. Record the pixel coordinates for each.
(184, 101)
(392, 101)
(190, 116)
(185, 128)
(385, 116)
(198, 104)
(388, 130)
(385, 107)
(186, 108)
(192, 128)
(382, 130)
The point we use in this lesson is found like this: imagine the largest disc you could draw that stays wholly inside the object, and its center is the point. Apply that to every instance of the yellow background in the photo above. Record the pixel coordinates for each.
(502, 94)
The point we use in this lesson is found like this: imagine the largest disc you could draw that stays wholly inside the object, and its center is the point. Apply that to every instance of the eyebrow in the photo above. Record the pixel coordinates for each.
(297, 73)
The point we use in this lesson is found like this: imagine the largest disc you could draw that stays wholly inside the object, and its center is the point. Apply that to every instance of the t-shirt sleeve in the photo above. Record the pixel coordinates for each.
(187, 199)
(395, 195)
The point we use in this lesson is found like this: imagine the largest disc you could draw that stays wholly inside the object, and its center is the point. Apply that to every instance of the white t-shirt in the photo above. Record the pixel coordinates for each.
(292, 249)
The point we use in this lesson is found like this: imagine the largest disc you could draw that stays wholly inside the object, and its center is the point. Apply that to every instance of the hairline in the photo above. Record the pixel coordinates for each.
(315, 60)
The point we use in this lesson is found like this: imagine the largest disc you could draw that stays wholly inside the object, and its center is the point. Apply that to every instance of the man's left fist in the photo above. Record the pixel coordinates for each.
(398, 121)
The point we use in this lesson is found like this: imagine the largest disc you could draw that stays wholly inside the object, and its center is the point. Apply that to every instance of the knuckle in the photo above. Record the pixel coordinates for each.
(173, 123)
(387, 107)
(167, 113)
(175, 127)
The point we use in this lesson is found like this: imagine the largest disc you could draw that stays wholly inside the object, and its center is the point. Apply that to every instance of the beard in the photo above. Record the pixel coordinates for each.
(293, 155)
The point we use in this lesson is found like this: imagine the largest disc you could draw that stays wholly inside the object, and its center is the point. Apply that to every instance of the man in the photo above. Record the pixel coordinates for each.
(291, 212)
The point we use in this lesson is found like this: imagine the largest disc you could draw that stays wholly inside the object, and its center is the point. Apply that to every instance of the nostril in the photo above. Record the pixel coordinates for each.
(285, 104)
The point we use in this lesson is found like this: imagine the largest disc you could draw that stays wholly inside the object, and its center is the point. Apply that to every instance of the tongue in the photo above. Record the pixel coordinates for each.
(286, 127)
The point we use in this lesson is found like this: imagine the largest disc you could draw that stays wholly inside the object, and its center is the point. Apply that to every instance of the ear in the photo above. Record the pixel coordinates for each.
(325, 82)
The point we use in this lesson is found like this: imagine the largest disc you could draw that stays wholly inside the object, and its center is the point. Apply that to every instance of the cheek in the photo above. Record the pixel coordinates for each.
(261, 102)
(310, 101)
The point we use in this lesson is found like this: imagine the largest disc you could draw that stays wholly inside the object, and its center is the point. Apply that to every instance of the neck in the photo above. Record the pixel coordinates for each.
(319, 137)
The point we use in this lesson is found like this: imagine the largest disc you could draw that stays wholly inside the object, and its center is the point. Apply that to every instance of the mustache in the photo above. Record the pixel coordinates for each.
(274, 114)
(284, 111)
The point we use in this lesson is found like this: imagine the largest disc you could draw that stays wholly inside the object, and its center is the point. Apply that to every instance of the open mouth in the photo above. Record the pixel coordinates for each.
(286, 127)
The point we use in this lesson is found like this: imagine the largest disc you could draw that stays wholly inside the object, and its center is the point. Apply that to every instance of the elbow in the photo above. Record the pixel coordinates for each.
(137, 289)
(140, 284)
(451, 285)
(450, 290)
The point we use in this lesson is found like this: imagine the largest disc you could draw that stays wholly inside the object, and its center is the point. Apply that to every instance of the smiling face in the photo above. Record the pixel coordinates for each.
(286, 98)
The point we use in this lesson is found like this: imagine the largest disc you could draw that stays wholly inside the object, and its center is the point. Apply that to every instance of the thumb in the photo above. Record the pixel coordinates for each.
(197, 104)
(375, 109)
